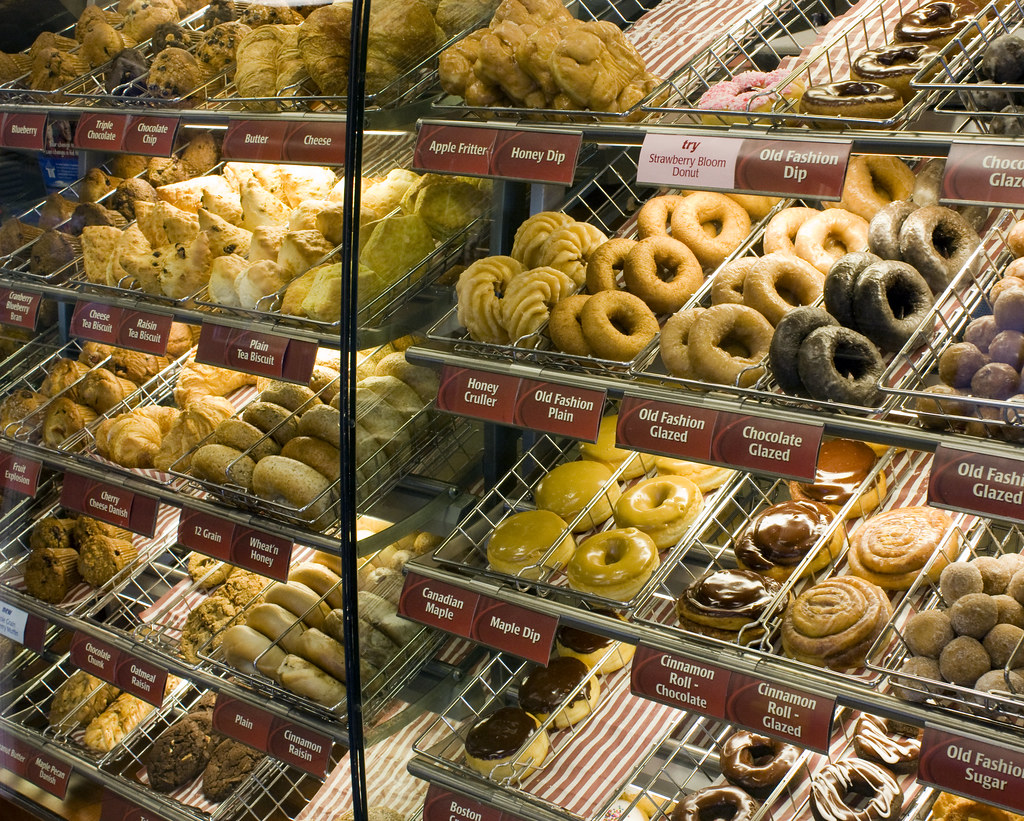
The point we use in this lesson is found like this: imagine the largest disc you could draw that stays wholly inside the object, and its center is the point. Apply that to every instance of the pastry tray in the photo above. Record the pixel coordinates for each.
(913, 370)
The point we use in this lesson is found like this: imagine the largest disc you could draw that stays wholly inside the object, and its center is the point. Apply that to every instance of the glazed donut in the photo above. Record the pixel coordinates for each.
(289, 482)
(617, 325)
(572, 487)
(893, 548)
(649, 260)
(872, 182)
(823, 239)
(599, 653)
(887, 742)
(564, 326)
(779, 537)
(528, 299)
(605, 451)
(893, 65)
(711, 225)
(789, 335)
(934, 23)
(781, 283)
(834, 623)
(727, 344)
(754, 762)
(654, 219)
(675, 343)
(614, 564)
(725, 600)
(663, 507)
(526, 543)
(833, 784)
(781, 231)
(841, 468)
(533, 233)
(706, 477)
(1015, 239)
(547, 688)
(727, 285)
(479, 291)
(494, 742)
(715, 804)
(838, 364)
(840, 283)
(606, 263)
(938, 242)
(851, 99)
(568, 248)
(756, 206)
(890, 302)
(884, 228)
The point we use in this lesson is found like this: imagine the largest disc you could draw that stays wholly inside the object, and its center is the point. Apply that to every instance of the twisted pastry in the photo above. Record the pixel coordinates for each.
(594, 64)
(568, 249)
(529, 297)
(480, 290)
(498, 65)
(534, 55)
(834, 623)
(533, 233)
(892, 548)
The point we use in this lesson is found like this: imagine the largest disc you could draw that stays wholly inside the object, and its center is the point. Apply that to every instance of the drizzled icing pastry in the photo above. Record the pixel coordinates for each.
(833, 783)
(895, 746)
(778, 538)
(726, 599)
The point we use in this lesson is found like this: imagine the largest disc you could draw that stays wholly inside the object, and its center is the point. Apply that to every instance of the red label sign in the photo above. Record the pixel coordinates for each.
(763, 445)
(18, 308)
(534, 156)
(669, 428)
(144, 332)
(256, 353)
(513, 629)
(27, 629)
(255, 140)
(131, 674)
(101, 132)
(315, 143)
(152, 136)
(977, 483)
(116, 808)
(478, 394)
(45, 771)
(109, 503)
(23, 131)
(559, 409)
(679, 681)
(442, 805)
(96, 321)
(18, 474)
(977, 769)
(293, 744)
(987, 174)
(250, 549)
(438, 604)
(781, 711)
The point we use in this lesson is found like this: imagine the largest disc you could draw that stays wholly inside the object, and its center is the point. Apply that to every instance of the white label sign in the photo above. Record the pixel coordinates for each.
(681, 161)
(12, 622)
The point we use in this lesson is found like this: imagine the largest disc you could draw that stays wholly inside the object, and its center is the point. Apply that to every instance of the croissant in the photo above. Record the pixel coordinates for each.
(256, 64)
(194, 424)
(61, 377)
(101, 390)
(62, 418)
(325, 45)
(197, 380)
(133, 441)
(162, 417)
(401, 32)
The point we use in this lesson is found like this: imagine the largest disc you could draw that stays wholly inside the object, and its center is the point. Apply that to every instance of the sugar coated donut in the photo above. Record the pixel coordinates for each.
(890, 301)
(526, 543)
(727, 285)
(711, 225)
(663, 272)
(528, 299)
(938, 242)
(755, 762)
(617, 325)
(674, 343)
(654, 219)
(885, 225)
(479, 290)
(840, 365)
(727, 344)
(565, 328)
(825, 238)
(780, 233)
(855, 790)
(606, 263)
(872, 182)
(573, 487)
(605, 451)
(533, 233)
(663, 507)
(789, 335)
(781, 283)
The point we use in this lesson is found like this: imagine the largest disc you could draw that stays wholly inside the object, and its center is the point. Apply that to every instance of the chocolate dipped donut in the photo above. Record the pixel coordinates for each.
(893, 65)
(834, 784)
(842, 466)
(602, 654)
(934, 23)
(546, 689)
(779, 537)
(494, 742)
(755, 762)
(715, 804)
(726, 600)
(852, 98)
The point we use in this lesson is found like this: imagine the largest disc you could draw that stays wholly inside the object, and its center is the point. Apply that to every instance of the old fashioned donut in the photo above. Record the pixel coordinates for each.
(840, 788)
(479, 290)
(890, 301)
(840, 365)
(727, 344)
(884, 228)
(789, 335)
(617, 325)
(614, 564)
(606, 264)
(938, 242)
(675, 343)
(823, 239)
(780, 233)
(533, 233)
(663, 507)
(654, 219)
(605, 451)
(528, 300)
(872, 182)
(715, 804)
(840, 283)
(756, 206)
(663, 272)
(564, 326)
(755, 762)
(781, 283)
(727, 285)
(711, 225)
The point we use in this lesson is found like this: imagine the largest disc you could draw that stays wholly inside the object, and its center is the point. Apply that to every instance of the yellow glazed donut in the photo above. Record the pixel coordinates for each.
(654, 219)
(571, 487)
(831, 234)
(781, 283)
(614, 564)
(706, 477)
(872, 182)
(663, 507)
(780, 233)
(711, 225)
(605, 451)
(519, 543)
(479, 290)
(532, 235)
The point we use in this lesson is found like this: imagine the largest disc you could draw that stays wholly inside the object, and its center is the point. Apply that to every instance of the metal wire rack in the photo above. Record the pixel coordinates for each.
(915, 369)
(979, 538)
(26, 354)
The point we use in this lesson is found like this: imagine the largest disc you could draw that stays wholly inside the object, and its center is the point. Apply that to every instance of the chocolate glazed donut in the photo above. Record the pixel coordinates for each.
(894, 746)
(756, 762)
(890, 301)
(884, 228)
(840, 282)
(716, 804)
(834, 782)
(840, 365)
(789, 335)
(938, 242)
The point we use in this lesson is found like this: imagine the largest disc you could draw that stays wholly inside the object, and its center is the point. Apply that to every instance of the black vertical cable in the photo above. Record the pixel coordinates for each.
(349, 299)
